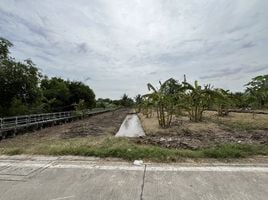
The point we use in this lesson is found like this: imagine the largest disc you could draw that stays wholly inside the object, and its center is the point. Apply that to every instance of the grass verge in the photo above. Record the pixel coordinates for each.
(126, 149)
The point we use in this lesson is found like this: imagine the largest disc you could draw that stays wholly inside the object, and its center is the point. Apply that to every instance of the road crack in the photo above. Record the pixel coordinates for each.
(143, 180)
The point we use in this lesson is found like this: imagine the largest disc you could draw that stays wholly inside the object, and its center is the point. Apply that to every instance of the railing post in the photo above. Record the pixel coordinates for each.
(16, 122)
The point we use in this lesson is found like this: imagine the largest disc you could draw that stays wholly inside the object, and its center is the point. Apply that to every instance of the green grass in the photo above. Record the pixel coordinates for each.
(128, 150)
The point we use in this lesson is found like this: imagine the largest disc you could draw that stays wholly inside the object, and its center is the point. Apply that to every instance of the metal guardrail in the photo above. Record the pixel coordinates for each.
(23, 121)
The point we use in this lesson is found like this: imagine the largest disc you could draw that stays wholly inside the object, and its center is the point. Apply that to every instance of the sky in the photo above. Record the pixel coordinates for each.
(118, 46)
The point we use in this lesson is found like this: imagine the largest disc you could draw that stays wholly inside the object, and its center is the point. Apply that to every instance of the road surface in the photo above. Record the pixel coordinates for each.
(73, 178)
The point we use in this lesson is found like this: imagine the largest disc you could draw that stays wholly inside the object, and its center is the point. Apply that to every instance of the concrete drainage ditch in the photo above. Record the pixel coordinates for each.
(131, 127)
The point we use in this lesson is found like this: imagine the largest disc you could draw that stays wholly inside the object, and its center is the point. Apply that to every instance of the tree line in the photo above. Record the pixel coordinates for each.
(174, 98)
(24, 90)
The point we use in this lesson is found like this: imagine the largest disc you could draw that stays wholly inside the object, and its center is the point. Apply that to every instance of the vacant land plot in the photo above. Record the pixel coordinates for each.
(230, 137)
(237, 128)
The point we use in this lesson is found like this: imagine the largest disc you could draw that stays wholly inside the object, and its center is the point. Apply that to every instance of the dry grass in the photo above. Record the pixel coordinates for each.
(179, 124)
(50, 141)
(239, 121)
(211, 123)
(150, 125)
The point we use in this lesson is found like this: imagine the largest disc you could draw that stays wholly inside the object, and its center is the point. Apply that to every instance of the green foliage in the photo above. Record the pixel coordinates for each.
(235, 151)
(128, 150)
(4, 45)
(17, 106)
(222, 100)
(80, 91)
(171, 98)
(64, 95)
(23, 90)
(100, 104)
(56, 91)
(138, 102)
(106, 103)
(165, 100)
(257, 91)
(126, 101)
(81, 105)
(197, 99)
(18, 81)
(239, 100)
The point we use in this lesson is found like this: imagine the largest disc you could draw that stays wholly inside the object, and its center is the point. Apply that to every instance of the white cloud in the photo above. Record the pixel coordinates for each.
(121, 45)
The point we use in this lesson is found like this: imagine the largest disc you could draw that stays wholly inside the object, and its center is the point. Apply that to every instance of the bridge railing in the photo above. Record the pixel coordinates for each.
(17, 122)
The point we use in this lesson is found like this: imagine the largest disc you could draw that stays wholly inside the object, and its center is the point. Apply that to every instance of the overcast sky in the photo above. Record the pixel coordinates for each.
(118, 46)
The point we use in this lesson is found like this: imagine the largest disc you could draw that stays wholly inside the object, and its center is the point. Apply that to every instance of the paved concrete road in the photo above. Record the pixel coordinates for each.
(69, 178)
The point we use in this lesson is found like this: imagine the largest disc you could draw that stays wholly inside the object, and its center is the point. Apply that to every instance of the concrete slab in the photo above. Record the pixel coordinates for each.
(7, 177)
(18, 171)
(77, 184)
(194, 185)
(83, 179)
(3, 167)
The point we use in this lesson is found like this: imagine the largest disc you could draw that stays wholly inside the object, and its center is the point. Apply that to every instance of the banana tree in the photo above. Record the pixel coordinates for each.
(222, 100)
(197, 100)
(165, 100)
(138, 102)
(147, 106)
(257, 89)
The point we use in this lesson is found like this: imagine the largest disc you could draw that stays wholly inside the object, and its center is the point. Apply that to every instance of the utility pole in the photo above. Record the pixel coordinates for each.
(184, 78)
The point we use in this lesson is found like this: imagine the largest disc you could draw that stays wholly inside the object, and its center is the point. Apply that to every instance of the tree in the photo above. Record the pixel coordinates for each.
(222, 101)
(57, 93)
(105, 103)
(147, 106)
(4, 48)
(257, 91)
(64, 95)
(165, 100)
(18, 81)
(239, 100)
(80, 91)
(126, 101)
(197, 100)
(138, 102)
(23, 90)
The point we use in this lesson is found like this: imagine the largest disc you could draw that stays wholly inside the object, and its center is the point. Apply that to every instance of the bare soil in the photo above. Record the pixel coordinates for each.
(183, 134)
(101, 124)
(189, 135)
(96, 125)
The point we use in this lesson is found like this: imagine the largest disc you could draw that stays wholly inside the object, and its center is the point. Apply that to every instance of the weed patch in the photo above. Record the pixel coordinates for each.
(126, 149)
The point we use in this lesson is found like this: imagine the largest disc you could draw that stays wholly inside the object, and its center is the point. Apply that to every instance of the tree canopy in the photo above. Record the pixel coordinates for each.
(24, 90)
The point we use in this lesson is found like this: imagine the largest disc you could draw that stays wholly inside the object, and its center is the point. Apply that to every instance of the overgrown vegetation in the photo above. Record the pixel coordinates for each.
(110, 146)
(175, 98)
